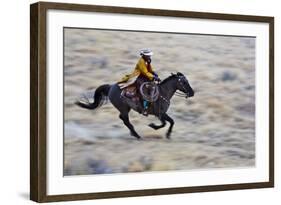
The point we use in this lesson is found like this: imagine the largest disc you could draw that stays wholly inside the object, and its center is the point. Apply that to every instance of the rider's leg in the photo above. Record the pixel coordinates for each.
(145, 106)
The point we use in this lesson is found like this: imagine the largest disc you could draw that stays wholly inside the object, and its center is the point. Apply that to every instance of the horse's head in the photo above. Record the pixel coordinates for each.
(183, 84)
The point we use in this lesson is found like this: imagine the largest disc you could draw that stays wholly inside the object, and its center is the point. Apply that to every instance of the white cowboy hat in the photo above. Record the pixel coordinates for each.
(146, 52)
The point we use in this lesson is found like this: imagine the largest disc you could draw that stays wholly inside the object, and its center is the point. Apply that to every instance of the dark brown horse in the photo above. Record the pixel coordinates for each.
(167, 88)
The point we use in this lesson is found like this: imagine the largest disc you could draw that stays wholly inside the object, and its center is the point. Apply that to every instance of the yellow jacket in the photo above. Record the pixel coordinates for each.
(141, 68)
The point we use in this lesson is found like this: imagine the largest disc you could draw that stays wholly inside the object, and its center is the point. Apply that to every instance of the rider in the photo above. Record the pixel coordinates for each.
(143, 72)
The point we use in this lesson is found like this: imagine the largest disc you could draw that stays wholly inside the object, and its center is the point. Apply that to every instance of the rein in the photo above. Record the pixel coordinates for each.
(180, 94)
(177, 93)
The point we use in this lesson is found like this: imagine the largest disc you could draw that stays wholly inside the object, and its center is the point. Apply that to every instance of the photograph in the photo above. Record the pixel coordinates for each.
(147, 101)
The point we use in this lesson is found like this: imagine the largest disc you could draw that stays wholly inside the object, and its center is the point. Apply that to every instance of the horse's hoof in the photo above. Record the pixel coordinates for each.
(168, 136)
(136, 135)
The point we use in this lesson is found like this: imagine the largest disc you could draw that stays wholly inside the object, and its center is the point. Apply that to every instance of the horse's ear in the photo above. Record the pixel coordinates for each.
(179, 74)
(172, 74)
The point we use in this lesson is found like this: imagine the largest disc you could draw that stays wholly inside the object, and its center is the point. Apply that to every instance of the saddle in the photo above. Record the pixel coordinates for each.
(130, 92)
(134, 96)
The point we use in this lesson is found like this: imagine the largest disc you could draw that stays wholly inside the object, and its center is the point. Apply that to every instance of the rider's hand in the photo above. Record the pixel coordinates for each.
(156, 78)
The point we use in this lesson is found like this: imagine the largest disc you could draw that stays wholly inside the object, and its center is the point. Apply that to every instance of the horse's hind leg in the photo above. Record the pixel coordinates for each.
(171, 121)
(156, 127)
(125, 118)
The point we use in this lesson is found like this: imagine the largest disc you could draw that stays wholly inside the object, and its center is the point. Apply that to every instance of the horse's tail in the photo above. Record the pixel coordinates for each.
(101, 94)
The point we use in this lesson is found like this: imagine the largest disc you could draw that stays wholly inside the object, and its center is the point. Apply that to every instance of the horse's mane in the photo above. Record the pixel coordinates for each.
(167, 79)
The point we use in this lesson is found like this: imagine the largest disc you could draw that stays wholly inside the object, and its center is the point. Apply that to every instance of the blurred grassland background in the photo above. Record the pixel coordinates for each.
(214, 129)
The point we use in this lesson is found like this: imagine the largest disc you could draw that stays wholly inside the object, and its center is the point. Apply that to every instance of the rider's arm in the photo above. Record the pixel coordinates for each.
(155, 75)
(143, 69)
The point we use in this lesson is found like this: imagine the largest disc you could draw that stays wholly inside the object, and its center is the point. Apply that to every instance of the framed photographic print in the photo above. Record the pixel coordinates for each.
(134, 102)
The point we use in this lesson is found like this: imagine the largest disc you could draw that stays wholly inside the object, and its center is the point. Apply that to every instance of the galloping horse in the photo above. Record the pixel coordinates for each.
(167, 88)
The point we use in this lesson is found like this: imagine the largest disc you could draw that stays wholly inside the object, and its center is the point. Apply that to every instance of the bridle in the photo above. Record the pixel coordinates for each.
(179, 94)
(182, 94)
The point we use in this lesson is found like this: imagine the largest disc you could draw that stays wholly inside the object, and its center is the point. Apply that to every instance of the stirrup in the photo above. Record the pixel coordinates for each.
(145, 113)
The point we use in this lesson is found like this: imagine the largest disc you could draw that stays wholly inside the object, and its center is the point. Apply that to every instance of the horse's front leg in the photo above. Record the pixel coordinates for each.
(166, 117)
(125, 119)
(156, 127)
